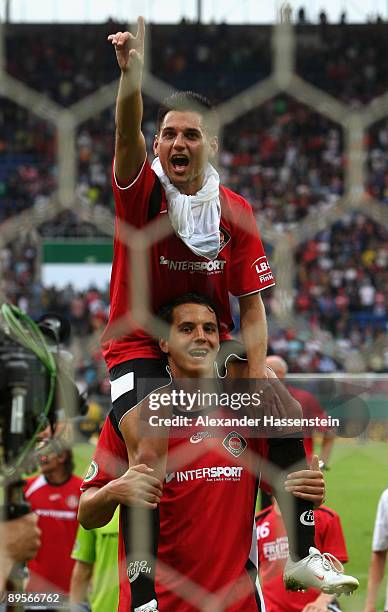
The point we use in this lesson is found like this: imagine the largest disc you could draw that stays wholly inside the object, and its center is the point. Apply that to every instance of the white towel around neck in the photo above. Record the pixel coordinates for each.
(195, 218)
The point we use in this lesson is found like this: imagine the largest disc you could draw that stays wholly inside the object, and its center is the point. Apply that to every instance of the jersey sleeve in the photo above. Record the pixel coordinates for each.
(110, 459)
(84, 548)
(250, 270)
(331, 536)
(313, 408)
(133, 201)
(380, 534)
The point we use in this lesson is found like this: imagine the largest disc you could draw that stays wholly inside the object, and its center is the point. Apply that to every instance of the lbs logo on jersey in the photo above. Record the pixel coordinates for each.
(262, 269)
(234, 443)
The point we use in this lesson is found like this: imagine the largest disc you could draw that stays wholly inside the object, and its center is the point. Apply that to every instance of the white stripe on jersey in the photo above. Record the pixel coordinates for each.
(37, 484)
(122, 385)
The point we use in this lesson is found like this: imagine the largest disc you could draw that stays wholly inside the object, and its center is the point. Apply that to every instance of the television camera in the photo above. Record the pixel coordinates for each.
(36, 390)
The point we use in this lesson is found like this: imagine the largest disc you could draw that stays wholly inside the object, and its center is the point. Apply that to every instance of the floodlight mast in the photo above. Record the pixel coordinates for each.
(199, 11)
(7, 12)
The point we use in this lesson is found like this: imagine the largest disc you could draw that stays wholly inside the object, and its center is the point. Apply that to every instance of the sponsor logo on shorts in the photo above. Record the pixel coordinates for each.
(307, 518)
(234, 443)
(199, 436)
(135, 568)
(92, 472)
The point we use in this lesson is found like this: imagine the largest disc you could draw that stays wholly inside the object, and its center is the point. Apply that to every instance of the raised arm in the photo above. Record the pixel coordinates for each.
(254, 333)
(130, 148)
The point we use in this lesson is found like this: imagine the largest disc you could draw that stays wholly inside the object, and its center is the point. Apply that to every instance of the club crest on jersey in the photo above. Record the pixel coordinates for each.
(307, 518)
(72, 501)
(199, 436)
(224, 238)
(234, 443)
(92, 472)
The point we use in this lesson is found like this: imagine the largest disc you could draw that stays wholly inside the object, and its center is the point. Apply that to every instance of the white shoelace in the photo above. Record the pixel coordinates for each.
(329, 562)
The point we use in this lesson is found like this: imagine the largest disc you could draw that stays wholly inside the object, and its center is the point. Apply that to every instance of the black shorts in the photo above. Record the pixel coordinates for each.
(133, 380)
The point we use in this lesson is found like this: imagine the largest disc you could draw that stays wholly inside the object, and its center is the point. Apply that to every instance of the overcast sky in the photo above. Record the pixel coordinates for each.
(171, 11)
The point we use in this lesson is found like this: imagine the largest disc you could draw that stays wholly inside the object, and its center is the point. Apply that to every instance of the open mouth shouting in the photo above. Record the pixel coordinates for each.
(179, 162)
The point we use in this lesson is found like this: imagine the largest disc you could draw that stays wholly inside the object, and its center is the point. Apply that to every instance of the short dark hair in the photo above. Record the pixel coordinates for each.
(166, 312)
(189, 101)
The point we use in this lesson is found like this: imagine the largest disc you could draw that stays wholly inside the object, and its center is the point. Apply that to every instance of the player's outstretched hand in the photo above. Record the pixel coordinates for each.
(137, 487)
(308, 484)
(129, 48)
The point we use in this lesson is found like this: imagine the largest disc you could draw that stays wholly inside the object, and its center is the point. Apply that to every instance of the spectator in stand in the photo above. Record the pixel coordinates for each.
(347, 298)
(288, 169)
(54, 496)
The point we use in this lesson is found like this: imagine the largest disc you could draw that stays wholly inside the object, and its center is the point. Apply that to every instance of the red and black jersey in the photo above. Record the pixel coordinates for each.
(206, 516)
(273, 554)
(56, 507)
(311, 409)
(241, 267)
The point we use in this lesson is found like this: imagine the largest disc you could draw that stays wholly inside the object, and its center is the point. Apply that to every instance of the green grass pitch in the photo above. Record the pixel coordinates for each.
(358, 476)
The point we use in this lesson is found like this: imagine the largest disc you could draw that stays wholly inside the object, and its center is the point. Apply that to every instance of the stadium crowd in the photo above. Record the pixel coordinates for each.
(287, 160)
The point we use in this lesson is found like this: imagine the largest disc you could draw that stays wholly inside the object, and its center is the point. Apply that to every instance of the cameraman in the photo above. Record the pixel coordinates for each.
(19, 542)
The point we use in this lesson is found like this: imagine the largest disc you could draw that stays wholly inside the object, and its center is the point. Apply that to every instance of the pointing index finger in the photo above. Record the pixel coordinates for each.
(140, 30)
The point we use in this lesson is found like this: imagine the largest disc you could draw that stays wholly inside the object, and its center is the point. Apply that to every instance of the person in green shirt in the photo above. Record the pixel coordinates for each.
(95, 576)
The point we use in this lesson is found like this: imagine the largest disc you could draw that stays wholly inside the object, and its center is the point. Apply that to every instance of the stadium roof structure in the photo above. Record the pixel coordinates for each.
(202, 11)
